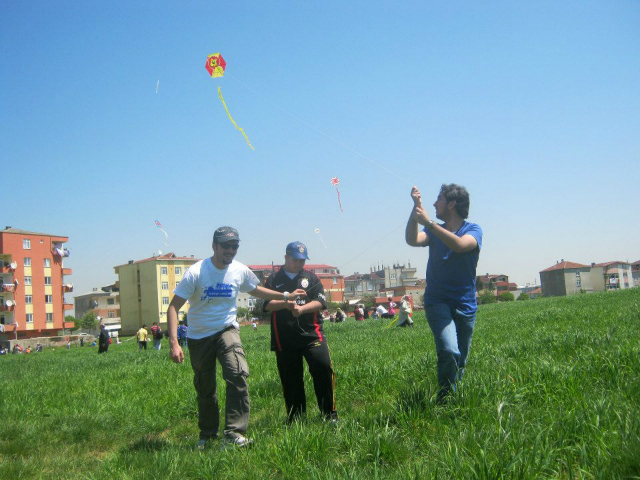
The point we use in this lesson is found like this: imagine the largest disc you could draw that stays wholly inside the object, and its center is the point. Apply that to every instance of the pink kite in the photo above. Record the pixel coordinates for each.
(335, 181)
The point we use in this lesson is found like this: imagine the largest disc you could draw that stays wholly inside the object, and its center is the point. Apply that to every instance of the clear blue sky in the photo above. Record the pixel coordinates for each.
(533, 106)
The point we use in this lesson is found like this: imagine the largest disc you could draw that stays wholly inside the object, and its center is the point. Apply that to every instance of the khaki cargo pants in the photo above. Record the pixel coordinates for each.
(226, 347)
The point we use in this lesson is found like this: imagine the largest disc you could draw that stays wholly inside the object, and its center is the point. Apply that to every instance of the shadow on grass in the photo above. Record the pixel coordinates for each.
(148, 443)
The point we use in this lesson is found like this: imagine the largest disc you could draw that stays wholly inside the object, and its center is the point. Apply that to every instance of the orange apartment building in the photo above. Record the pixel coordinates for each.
(330, 277)
(32, 302)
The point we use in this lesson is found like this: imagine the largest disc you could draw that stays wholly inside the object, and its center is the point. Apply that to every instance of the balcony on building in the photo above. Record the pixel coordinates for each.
(67, 288)
(8, 287)
(10, 327)
(66, 324)
(67, 271)
(7, 306)
(59, 250)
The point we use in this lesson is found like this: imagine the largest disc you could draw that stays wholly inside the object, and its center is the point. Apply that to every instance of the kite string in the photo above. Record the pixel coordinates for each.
(232, 120)
(344, 145)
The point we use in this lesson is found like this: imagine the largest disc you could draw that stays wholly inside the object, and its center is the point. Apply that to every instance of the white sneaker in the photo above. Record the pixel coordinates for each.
(235, 441)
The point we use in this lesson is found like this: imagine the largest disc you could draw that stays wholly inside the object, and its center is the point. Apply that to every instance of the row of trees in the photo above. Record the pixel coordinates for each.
(488, 296)
(87, 322)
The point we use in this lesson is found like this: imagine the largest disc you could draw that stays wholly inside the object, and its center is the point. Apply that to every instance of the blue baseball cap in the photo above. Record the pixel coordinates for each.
(297, 250)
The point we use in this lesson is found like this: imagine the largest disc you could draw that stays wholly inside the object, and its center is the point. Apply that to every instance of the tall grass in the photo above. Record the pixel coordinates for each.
(552, 391)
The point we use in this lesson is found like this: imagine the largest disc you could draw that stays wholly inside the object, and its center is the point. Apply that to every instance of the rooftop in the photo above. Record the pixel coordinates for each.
(564, 265)
(160, 258)
(17, 231)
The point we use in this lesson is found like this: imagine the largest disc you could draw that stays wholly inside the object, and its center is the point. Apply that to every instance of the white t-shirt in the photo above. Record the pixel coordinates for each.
(212, 295)
(381, 310)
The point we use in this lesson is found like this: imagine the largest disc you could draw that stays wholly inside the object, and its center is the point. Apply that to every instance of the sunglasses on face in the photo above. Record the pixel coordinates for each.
(229, 246)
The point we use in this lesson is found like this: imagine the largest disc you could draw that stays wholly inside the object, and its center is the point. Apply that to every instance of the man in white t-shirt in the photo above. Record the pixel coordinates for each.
(212, 286)
(382, 312)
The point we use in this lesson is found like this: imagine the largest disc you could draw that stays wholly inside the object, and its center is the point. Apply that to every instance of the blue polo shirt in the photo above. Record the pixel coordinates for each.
(451, 277)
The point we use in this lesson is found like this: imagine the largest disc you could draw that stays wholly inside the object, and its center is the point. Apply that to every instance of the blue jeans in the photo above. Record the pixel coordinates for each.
(452, 332)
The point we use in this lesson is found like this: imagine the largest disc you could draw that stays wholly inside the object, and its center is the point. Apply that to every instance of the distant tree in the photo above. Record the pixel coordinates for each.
(524, 296)
(487, 297)
(368, 301)
(258, 310)
(506, 297)
(242, 312)
(88, 321)
(70, 318)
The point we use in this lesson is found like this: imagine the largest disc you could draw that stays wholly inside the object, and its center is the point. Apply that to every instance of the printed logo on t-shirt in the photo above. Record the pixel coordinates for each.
(220, 290)
(304, 283)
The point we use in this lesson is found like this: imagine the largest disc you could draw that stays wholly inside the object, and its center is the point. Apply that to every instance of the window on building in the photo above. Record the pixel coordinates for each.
(26, 244)
(49, 317)
(577, 274)
(578, 283)
(27, 261)
(47, 263)
(178, 270)
(111, 314)
(164, 270)
(47, 280)
(369, 286)
(28, 299)
(29, 318)
(325, 271)
(165, 300)
(48, 299)
(111, 301)
(335, 280)
(27, 281)
(359, 287)
(165, 285)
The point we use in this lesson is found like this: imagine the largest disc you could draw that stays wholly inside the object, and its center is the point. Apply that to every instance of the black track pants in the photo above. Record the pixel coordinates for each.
(291, 375)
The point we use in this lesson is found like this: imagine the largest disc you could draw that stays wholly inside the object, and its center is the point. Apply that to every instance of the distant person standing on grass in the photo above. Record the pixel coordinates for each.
(212, 286)
(156, 333)
(450, 296)
(103, 339)
(143, 337)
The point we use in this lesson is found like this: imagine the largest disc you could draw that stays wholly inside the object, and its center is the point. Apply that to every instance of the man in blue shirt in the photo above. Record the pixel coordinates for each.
(450, 296)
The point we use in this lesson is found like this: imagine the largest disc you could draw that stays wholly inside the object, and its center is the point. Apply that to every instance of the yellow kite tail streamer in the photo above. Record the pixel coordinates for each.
(232, 120)
(392, 322)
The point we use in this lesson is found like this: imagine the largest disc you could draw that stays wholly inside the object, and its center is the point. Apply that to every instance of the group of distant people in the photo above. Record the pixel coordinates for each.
(142, 335)
(18, 349)
(361, 313)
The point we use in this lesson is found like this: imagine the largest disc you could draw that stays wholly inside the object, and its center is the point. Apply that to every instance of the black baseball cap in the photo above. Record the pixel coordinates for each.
(225, 234)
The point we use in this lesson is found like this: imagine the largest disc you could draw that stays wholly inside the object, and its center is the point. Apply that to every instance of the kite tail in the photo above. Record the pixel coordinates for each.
(166, 237)
(339, 202)
(232, 120)
(392, 322)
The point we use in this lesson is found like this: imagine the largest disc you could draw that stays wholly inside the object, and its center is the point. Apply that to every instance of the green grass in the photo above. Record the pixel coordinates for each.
(552, 390)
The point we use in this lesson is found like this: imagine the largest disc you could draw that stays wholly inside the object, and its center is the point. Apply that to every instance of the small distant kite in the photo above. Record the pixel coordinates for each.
(166, 235)
(216, 66)
(317, 230)
(335, 181)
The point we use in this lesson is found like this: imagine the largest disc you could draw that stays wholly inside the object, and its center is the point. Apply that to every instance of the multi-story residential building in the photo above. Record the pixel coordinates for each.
(32, 275)
(566, 278)
(330, 277)
(146, 287)
(611, 276)
(397, 275)
(104, 303)
(360, 284)
(635, 272)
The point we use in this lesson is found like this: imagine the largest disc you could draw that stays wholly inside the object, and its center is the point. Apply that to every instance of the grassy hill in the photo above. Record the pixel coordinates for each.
(552, 390)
